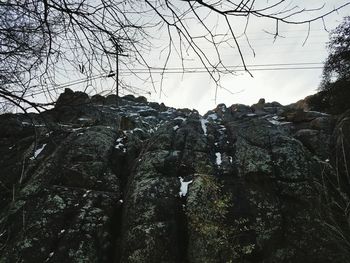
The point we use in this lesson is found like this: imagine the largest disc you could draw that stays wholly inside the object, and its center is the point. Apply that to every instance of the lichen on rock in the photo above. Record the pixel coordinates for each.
(143, 182)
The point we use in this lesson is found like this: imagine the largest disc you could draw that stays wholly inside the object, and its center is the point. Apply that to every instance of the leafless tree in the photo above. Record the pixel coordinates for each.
(40, 39)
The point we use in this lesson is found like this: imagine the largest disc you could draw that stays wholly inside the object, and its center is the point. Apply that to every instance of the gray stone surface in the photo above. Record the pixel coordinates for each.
(148, 183)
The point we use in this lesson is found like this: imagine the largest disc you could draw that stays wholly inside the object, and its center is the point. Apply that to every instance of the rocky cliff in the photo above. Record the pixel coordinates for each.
(91, 182)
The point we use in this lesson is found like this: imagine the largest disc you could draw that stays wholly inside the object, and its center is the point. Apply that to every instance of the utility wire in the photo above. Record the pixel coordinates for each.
(226, 70)
(191, 70)
(238, 66)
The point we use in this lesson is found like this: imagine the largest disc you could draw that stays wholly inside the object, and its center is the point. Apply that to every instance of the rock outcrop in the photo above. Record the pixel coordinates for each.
(91, 182)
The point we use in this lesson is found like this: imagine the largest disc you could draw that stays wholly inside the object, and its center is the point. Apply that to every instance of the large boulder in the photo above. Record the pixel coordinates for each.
(71, 98)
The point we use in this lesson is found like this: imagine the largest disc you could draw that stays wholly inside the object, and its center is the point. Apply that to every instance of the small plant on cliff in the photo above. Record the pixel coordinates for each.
(335, 195)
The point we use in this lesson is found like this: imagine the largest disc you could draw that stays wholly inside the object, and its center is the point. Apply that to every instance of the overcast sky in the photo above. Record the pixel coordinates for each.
(195, 90)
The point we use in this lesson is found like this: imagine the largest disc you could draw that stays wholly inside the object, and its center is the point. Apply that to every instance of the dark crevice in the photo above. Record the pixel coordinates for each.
(114, 253)
(182, 232)
(119, 165)
(184, 170)
(122, 165)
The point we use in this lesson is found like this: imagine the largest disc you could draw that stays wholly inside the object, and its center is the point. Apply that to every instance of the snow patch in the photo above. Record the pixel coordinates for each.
(251, 114)
(184, 187)
(150, 117)
(218, 159)
(222, 128)
(50, 256)
(180, 118)
(86, 193)
(77, 129)
(204, 125)
(133, 114)
(277, 120)
(317, 112)
(274, 122)
(230, 159)
(120, 145)
(27, 123)
(38, 151)
(212, 116)
(169, 111)
(176, 127)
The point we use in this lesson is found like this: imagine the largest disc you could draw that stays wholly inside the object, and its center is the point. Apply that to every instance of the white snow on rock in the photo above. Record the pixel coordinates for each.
(169, 111)
(176, 127)
(38, 151)
(50, 256)
(274, 122)
(317, 112)
(230, 159)
(133, 114)
(204, 125)
(184, 187)
(86, 193)
(251, 114)
(218, 159)
(277, 120)
(120, 145)
(180, 118)
(77, 129)
(212, 116)
(27, 123)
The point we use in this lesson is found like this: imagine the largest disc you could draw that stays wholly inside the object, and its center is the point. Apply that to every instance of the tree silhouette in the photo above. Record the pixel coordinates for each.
(334, 95)
(39, 39)
(337, 66)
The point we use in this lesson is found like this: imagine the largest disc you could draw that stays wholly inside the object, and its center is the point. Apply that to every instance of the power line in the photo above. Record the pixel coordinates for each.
(222, 70)
(192, 70)
(238, 66)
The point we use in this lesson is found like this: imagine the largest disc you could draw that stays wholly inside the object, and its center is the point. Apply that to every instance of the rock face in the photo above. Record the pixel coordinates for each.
(90, 182)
